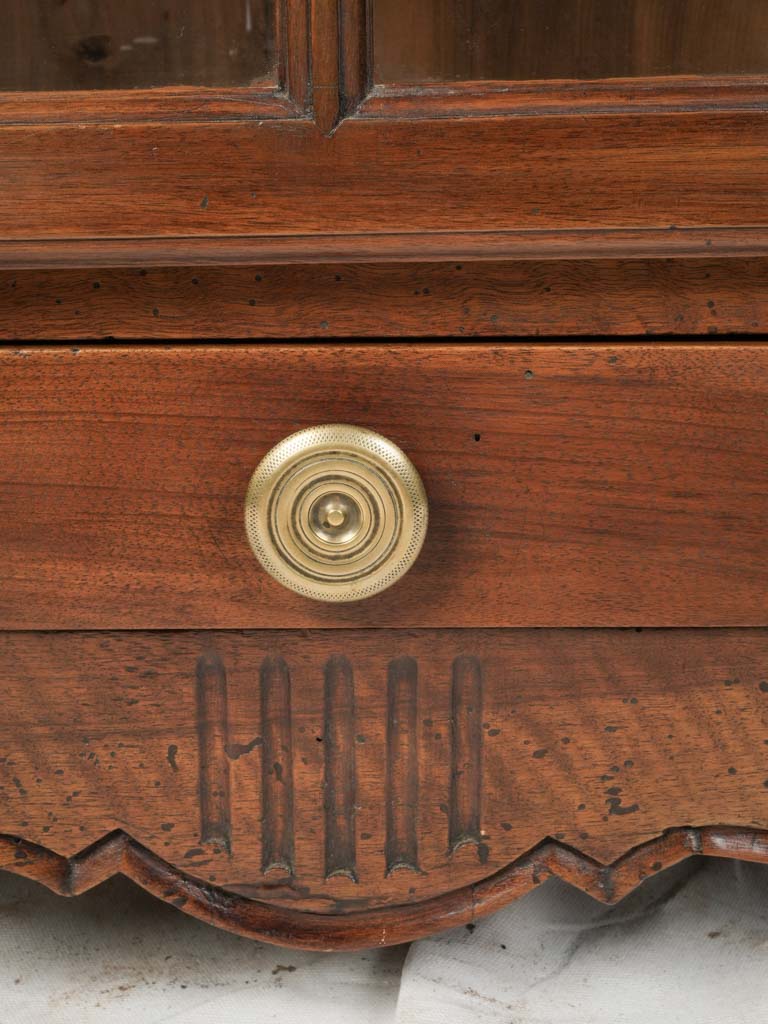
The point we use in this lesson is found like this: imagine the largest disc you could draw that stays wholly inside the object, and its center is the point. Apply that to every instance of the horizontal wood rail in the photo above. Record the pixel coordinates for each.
(439, 246)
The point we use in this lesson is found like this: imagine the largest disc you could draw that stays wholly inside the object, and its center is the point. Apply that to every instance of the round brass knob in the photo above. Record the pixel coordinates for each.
(336, 513)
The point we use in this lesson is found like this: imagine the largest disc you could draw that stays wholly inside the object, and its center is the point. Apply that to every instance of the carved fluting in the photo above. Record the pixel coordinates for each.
(401, 782)
(277, 833)
(339, 773)
(213, 741)
(466, 784)
(402, 772)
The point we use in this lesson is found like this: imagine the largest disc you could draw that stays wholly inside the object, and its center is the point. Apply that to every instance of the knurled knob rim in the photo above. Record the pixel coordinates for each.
(336, 512)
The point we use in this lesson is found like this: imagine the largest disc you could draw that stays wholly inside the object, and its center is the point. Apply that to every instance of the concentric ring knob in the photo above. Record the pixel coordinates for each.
(336, 513)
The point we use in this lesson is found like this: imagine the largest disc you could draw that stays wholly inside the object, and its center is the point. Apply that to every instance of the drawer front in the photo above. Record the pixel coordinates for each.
(578, 485)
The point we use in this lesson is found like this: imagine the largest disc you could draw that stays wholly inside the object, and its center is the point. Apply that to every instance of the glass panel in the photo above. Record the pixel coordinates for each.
(519, 40)
(129, 44)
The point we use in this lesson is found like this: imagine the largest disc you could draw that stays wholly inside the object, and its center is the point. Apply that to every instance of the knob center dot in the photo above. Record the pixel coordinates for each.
(335, 518)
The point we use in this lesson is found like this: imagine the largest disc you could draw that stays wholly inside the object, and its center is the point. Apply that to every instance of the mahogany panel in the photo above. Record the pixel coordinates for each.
(268, 768)
(560, 297)
(569, 485)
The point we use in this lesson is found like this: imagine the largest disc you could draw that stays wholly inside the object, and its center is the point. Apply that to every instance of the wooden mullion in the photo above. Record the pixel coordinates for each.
(326, 79)
(295, 66)
(356, 53)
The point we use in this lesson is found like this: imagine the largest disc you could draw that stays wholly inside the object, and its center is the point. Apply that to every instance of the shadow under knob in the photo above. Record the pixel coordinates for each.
(336, 513)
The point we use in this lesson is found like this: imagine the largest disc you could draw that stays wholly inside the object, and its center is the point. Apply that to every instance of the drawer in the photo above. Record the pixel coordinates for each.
(568, 485)
(571, 679)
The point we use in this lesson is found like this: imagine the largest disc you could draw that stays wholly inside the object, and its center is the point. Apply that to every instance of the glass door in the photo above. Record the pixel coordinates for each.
(64, 45)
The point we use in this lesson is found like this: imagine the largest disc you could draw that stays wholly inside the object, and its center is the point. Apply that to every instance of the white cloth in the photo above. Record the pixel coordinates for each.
(689, 947)
(116, 954)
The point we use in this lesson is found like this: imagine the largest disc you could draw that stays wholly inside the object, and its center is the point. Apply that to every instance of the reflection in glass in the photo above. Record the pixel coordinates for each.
(125, 44)
(519, 40)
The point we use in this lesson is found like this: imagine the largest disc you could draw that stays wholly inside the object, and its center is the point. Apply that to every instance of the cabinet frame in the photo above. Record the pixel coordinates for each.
(326, 165)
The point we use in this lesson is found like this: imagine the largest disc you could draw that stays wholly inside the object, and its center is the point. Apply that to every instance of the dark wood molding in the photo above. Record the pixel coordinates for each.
(678, 94)
(140, 106)
(117, 854)
(382, 247)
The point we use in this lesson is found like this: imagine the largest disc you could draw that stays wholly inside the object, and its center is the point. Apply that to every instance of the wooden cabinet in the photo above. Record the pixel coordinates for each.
(571, 677)
(340, 130)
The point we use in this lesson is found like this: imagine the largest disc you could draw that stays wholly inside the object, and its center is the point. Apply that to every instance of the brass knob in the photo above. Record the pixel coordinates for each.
(336, 513)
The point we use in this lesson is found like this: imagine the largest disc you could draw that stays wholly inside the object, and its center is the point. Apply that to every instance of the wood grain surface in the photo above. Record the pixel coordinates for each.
(569, 485)
(350, 772)
(707, 297)
(631, 170)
